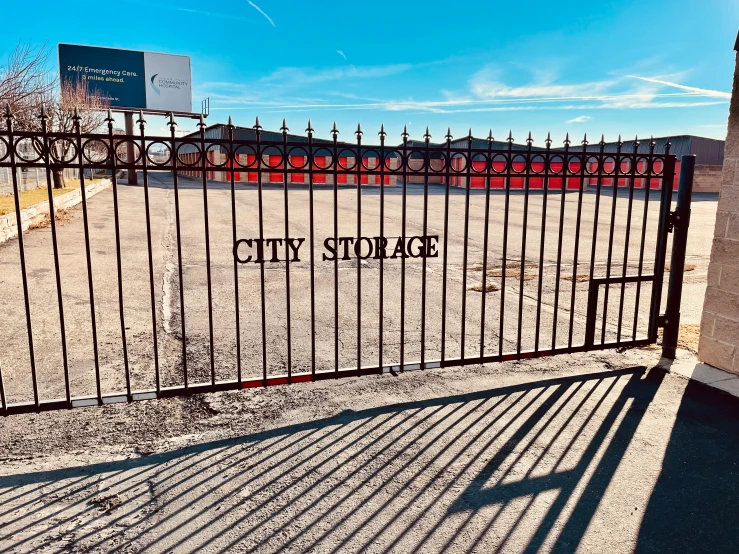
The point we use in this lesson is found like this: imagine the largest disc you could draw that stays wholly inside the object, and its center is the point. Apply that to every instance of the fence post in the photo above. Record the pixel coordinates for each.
(681, 220)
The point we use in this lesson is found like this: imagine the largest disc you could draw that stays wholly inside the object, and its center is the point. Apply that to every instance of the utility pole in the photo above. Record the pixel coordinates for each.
(130, 154)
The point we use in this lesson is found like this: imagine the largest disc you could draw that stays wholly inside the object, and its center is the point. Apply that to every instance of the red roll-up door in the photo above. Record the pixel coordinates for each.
(341, 177)
(297, 162)
(318, 163)
(275, 161)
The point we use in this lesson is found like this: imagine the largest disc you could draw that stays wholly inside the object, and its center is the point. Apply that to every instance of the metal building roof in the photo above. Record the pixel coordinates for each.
(706, 150)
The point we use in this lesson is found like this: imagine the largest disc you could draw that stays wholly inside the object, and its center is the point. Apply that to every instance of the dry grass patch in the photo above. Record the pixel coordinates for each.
(36, 196)
(489, 287)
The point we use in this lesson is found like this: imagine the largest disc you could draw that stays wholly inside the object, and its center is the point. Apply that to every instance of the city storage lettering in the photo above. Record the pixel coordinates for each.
(259, 251)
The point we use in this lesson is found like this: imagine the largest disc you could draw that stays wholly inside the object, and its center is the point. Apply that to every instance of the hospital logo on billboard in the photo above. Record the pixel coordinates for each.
(158, 83)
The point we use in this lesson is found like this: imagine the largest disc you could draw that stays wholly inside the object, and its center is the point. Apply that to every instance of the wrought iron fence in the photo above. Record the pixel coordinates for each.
(527, 265)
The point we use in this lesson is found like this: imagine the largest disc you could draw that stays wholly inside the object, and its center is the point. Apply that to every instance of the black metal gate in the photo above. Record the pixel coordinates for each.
(419, 254)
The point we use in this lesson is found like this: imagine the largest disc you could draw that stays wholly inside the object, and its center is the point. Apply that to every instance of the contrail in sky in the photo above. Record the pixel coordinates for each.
(340, 53)
(260, 10)
(696, 90)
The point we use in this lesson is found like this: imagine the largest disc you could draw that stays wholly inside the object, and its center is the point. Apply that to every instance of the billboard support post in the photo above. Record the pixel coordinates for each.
(130, 154)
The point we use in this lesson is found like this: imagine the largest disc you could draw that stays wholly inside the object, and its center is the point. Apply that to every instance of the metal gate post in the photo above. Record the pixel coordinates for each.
(680, 220)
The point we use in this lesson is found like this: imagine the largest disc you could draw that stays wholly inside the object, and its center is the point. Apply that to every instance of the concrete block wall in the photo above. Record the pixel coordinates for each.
(707, 178)
(719, 340)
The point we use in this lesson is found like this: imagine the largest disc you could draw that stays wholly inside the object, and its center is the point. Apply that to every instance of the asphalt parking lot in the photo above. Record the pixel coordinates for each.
(14, 358)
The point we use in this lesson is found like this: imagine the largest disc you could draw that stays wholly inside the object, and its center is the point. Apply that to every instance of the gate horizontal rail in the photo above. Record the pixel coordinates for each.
(542, 318)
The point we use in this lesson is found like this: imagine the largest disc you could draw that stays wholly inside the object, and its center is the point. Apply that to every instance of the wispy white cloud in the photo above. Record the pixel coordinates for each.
(260, 10)
(487, 91)
(200, 13)
(340, 53)
(696, 90)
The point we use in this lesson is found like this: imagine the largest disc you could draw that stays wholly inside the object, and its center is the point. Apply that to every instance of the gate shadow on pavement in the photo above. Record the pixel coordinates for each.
(522, 467)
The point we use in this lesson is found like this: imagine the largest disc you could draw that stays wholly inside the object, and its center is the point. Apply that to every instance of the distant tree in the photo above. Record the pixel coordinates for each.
(27, 85)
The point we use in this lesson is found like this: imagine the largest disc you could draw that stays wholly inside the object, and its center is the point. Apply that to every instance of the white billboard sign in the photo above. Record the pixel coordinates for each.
(168, 82)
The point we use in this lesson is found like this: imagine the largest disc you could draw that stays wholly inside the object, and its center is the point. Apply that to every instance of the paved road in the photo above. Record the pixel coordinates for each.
(14, 358)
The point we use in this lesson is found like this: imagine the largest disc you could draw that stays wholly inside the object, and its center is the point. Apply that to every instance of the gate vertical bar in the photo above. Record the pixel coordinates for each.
(590, 324)
(525, 224)
(147, 212)
(596, 212)
(178, 230)
(311, 223)
(427, 167)
(583, 168)
(562, 199)
(609, 259)
(286, 208)
(55, 248)
(465, 247)
(677, 260)
(446, 241)
(381, 293)
(86, 225)
(668, 176)
(647, 194)
(260, 204)
(232, 164)
(542, 240)
(335, 164)
(509, 167)
(22, 251)
(488, 171)
(402, 258)
(359, 162)
(205, 160)
(627, 238)
(119, 268)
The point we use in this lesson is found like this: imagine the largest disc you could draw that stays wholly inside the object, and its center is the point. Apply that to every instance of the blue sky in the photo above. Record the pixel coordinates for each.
(631, 67)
